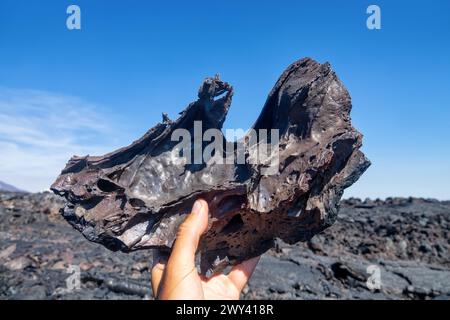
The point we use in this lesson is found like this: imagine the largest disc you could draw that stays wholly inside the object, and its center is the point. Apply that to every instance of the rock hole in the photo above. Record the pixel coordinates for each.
(229, 203)
(134, 202)
(107, 186)
(234, 224)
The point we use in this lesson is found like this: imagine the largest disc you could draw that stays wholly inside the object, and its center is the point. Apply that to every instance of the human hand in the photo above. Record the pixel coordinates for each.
(178, 278)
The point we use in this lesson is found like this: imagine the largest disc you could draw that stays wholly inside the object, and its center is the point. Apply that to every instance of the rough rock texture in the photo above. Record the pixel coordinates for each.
(136, 197)
(406, 238)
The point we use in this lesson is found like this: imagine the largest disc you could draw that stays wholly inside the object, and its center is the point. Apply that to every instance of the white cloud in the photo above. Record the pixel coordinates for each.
(40, 131)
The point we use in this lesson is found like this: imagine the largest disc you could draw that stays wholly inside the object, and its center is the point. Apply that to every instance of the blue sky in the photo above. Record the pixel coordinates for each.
(133, 60)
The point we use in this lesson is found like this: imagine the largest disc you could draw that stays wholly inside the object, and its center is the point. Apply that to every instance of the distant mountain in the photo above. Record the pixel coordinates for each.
(7, 187)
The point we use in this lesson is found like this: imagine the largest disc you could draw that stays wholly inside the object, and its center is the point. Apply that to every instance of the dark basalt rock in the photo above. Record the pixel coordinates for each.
(136, 197)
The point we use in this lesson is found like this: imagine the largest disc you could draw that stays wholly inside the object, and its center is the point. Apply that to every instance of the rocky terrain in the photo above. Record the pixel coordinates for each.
(403, 242)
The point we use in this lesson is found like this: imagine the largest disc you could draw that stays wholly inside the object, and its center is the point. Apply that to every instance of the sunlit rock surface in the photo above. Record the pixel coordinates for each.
(136, 197)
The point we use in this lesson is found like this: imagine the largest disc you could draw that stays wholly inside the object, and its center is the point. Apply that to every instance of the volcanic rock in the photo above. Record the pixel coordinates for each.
(136, 197)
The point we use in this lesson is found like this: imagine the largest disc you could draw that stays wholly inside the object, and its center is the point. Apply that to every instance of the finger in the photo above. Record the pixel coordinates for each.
(181, 264)
(241, 273)
(188, 236)
(158, 267)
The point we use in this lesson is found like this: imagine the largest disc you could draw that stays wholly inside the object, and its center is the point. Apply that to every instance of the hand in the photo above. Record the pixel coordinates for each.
(179, 279)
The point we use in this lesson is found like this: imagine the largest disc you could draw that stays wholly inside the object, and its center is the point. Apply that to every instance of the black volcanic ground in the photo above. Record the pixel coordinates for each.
(408, 239)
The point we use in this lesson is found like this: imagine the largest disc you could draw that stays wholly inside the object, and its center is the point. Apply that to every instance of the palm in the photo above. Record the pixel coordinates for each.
(219, 287)
(177, 277)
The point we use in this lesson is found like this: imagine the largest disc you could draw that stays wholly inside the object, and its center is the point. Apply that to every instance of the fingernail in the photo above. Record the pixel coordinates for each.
(197, 208)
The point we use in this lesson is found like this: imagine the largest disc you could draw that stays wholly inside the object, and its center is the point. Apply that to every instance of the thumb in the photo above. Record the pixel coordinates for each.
(182, 257)
(180, 272)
